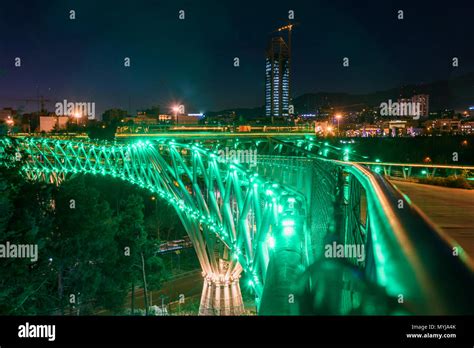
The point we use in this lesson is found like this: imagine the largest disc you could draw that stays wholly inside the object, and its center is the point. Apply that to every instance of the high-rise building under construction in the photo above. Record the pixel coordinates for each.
(277, 82)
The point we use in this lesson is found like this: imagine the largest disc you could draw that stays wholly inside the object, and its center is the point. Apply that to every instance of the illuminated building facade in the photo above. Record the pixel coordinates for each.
(277, 73)
(424, 101)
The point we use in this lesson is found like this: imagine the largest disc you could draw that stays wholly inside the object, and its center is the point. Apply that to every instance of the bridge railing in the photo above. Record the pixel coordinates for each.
(420, 170)
(413, 259)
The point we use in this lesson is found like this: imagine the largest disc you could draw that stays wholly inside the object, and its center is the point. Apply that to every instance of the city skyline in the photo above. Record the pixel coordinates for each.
(64, 60)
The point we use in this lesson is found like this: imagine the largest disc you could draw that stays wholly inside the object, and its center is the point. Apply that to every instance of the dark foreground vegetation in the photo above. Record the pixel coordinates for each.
(97, 240)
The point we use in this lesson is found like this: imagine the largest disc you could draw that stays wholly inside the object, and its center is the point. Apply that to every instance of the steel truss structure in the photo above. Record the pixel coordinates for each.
(232, 215)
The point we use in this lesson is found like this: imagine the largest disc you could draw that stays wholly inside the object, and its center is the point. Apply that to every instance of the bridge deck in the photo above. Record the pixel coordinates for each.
(450, 208)
(213, 135)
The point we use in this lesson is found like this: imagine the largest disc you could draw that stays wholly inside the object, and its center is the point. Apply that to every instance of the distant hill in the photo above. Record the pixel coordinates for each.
(455, 93)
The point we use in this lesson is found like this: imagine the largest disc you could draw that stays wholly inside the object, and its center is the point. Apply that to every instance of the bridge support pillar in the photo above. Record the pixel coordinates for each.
(221, 296)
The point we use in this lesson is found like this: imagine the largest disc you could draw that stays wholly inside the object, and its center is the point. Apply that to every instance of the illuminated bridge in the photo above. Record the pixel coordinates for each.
(309, 231)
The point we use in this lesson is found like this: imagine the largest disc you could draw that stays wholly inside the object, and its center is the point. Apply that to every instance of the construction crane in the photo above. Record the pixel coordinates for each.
(40, 100)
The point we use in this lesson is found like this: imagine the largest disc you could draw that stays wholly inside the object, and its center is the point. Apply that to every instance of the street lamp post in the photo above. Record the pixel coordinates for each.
(176, 110)
(77, 116)
(163, 297)
(338, 117)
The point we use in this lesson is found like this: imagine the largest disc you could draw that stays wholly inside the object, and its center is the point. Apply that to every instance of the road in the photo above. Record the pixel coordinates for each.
(189, 284)
(451, 209)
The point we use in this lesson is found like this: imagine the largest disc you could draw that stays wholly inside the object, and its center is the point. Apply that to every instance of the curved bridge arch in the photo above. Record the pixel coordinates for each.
(233, 216)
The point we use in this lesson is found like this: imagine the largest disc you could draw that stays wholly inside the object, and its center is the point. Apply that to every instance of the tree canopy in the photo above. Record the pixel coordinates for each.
(96, 238)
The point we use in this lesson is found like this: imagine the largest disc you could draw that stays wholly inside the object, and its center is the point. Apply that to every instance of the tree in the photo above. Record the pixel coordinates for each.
(3, 128)
(142, 265)
(101, 130)
(84, 250)
(113, 116)
(89, 254)
(25, 284)
(158, 223)
(153, 112)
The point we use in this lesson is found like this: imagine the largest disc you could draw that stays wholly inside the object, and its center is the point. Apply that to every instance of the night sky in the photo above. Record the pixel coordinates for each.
(191, 60)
